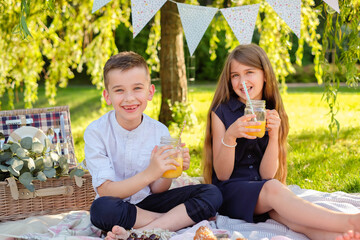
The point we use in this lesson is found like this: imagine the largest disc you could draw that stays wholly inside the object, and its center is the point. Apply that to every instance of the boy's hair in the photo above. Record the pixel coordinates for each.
(124, 61)
(254, 56)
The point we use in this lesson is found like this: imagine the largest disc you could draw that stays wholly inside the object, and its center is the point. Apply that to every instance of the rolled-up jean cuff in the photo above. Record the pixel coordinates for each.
(106, 212)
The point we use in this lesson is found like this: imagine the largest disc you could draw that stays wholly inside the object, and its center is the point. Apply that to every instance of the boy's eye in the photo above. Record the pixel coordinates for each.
(119, 90)
(138, 88)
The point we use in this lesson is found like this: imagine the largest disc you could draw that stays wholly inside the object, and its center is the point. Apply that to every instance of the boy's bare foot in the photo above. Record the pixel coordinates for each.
(117, 232)
(350, 235)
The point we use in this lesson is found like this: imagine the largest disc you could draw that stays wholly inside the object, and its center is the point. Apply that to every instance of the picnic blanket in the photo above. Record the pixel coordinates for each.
(77, 225)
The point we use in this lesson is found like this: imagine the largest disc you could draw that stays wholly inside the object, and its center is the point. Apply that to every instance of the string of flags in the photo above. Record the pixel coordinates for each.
(196, 19)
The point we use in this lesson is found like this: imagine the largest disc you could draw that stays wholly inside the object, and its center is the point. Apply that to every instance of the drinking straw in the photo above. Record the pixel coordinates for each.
(182, 129)
(249, 100)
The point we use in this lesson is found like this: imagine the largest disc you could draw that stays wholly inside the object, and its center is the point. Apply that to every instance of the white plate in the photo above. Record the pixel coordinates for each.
(27, 131)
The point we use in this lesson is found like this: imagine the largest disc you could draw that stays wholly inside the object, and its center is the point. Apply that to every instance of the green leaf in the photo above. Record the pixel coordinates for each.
(13, 171)
(6, 146)
(26, 178)
(39, 163)
(30, 187)
(50, 173)
(26, 142)
(54, 156)
(24, 26)
(4, 156)
(77, 172)
(31, 164)
(14, 147)
(37, 147)
(3, 168)
(17, 165)
(48, 162)
(21, 153)
(41, 176)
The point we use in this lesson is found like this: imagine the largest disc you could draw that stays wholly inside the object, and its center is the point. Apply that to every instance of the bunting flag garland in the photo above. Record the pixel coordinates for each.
(290, 12)
(195, 20)
(97, 4)
(142, 11)
(242, 21)
(334, 4)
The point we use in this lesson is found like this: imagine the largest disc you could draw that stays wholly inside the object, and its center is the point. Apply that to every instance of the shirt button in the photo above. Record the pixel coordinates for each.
(251, 166)
(249, 156)
(256, 178)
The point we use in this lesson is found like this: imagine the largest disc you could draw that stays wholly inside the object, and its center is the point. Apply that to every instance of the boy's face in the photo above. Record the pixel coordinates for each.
(128, 91)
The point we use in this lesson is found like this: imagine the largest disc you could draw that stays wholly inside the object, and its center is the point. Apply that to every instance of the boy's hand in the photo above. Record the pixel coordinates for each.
(186, 157)
(160, 161)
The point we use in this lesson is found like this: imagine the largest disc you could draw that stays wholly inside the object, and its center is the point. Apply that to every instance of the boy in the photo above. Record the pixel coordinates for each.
(126, 164)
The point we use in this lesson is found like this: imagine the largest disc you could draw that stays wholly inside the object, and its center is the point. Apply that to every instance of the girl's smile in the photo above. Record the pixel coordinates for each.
(253, 77)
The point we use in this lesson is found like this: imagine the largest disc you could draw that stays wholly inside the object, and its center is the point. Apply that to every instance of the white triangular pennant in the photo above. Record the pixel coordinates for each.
(97, 4)
(242, 21)
(142, 11)
(195, 20)
(334, 4)
(290, 12)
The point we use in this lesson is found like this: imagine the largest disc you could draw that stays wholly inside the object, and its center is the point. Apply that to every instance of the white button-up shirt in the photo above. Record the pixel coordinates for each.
(114, 153)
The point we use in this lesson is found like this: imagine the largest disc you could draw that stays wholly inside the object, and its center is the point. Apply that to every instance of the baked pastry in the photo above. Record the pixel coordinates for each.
(204, 233)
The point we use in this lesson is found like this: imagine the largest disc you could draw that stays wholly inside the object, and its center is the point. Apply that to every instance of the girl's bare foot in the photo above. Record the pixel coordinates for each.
(117, 232)
(350, 235)
(355, 222)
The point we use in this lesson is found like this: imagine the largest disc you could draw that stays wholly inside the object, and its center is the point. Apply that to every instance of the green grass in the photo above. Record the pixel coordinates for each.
(313, 161)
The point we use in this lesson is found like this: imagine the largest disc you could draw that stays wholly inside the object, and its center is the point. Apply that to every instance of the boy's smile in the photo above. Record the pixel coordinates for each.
(128, 91)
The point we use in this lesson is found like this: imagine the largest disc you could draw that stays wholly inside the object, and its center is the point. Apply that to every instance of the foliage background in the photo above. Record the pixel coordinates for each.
(69, 46)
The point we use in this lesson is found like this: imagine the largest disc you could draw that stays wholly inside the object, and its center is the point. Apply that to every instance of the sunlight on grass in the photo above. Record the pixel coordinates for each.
(313, 161)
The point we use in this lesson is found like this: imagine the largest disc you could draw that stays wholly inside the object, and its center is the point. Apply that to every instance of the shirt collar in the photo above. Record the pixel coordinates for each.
(122, 130)
(235, 104)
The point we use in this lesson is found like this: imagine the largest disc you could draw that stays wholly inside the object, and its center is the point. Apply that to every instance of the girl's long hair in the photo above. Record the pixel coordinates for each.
(254, 56)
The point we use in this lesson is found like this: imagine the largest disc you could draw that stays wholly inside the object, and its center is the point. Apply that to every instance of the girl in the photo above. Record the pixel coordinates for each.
(251, 172)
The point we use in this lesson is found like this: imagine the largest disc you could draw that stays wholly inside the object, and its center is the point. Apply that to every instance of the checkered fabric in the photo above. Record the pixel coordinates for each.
(42, 118)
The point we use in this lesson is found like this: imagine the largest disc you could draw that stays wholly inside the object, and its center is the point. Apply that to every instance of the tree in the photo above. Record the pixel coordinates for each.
(172, 61)
(65, 37)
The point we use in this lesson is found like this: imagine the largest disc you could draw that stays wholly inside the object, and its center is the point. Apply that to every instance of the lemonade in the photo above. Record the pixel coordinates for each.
(258, 134)
(175, 173)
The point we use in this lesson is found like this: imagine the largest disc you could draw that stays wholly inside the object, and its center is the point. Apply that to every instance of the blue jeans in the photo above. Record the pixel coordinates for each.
(201, 201)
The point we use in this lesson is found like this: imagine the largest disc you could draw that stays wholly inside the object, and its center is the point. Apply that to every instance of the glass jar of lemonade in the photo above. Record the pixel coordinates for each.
(260, 112)
(168, 140)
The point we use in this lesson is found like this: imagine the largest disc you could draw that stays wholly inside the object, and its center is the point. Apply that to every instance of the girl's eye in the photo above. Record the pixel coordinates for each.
(119, 90)
(138, 88)
(249, 72)
(235, 76)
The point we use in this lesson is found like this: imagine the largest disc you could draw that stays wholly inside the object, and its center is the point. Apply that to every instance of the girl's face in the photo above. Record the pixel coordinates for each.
(253, 77)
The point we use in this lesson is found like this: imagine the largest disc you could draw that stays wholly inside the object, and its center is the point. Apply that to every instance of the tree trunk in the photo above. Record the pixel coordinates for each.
(172, 61)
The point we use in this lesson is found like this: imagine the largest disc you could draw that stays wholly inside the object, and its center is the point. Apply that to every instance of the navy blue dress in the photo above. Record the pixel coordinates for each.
(241, 191)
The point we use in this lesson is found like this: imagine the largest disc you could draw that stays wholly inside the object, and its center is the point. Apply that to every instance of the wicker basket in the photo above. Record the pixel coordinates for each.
(53, 196)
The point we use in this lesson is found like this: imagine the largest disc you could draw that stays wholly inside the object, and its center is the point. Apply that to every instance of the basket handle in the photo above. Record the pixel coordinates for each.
(65, 190)
(26, 194)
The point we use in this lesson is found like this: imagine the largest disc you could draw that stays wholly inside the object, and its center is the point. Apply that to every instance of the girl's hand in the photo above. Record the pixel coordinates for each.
(238, 129)
(273, 123)
(160, 161)
(186, 157)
